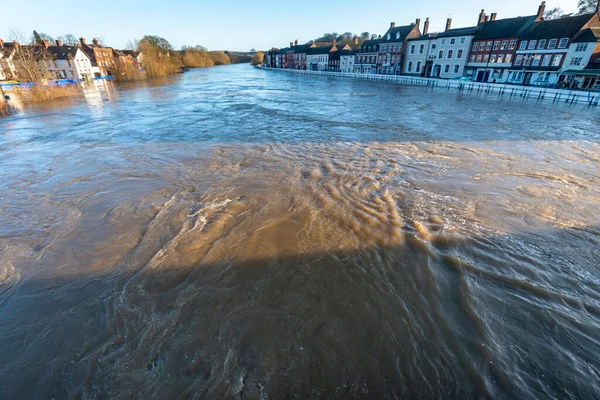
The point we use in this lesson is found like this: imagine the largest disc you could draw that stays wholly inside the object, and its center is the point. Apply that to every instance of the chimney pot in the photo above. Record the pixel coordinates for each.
(296, 42)
(426, 26)
(95, 42)
(16, 44)
(448, 23)
(82, 40)
(541, 10)
(356, 40)
(291, 44)
(493, 16)
(45, 43)
(481, 17)
(418, 22)
(58, 43)
(392, 25)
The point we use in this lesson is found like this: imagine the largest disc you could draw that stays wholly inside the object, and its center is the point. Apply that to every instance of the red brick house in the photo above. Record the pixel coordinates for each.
(392, 47)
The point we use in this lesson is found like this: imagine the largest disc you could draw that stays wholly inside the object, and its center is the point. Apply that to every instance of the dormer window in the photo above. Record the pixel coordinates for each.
(397, 35)
(389, 36)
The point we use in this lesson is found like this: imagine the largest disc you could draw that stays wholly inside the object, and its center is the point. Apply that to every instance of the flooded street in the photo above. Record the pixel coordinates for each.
(238, 233)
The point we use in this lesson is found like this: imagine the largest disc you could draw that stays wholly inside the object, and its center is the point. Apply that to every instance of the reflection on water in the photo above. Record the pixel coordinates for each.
(237, 233)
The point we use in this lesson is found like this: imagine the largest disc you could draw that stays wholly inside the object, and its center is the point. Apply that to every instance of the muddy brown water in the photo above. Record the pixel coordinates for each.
(236, 233)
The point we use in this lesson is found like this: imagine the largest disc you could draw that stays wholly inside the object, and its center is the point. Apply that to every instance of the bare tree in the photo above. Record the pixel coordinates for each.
(588, 6)
(69, 38)
(31, 60)
(554, 13)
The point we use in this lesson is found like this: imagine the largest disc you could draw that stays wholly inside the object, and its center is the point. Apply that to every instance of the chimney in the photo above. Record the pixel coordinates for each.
(82, 41)
(58, 43)
(1, 44)
(481, 17)
(392, 25)
(16, 45)
(356, 41)
(291, 44)
(487, 18)
(493, 16)
(418, 22)
(95, 42)
(541, 10)
(46, 44)
(448, 23)
(426, 26)
(296, 42)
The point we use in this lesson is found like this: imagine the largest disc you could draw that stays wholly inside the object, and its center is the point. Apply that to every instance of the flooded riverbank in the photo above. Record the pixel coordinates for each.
(237, 233)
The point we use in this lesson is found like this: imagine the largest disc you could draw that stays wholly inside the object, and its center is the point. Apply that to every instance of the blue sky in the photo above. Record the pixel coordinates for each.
(247, 24)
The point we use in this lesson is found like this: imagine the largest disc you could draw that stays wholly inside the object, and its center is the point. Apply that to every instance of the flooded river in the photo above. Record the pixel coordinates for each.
(237, 233)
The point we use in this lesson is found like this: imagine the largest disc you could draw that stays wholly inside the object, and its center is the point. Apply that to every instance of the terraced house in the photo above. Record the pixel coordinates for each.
(452, 52)
(581, 68)
(103, 59)
(543, 49)
(391, 47)
(495, 44)
(365, 61)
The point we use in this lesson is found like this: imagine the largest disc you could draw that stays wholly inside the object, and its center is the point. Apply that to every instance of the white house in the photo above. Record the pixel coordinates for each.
(317, 58)
(347, 61)
(452, 52)
(419, 55)
(581, 68)
(70, 62)
(7, 66)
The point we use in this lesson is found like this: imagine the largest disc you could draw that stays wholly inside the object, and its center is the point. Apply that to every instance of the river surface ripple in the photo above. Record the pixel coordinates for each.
(237, 233)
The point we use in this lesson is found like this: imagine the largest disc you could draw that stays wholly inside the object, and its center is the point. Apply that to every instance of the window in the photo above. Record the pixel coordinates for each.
(546, 60)
(542, 44)
(479, 58)
(412, 49)
(557, 60)
(519, 60)
(493, 58)
(419, 66)
(532, 44)
(397, 35)
(462, 40)
(475, 46)
(389, 36)
(447, 68)
(527, 60)
(576, 61)
(513, 44)
(496, 45)
(523, 45)
(500, 58)
(456, 68)
(481, 46)
(563, 43)
(421, 49)
(504, 45)
(536, 60)
(441, 54)
(486, 58)
(443, 41)
(409, 66)
(453, 41)
(508, 58)
(459, 54)
(488, 46)
(552, 44)
(472, 58)
(581, 47)
(450, 52)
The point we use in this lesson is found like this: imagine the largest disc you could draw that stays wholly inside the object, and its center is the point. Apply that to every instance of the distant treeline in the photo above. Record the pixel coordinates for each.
(160, 59)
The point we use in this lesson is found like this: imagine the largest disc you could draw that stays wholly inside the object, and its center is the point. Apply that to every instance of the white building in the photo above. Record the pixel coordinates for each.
(7, 66)
(347, 61)
(70, 62)
(419, 55)
(452, 52)
(581, 68)
(317, 58)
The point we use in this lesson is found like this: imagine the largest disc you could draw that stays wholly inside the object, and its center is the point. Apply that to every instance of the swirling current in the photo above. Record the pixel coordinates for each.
(239, 233)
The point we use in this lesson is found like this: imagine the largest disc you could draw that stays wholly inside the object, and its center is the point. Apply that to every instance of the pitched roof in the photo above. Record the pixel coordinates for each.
(429, 36)
(588, 35)
(369, 43)
(404, 31)
(471, 30)
(557, 28)
(301, 48)
(62, 52)
(348, 52)
(319, 50)
(502, 28)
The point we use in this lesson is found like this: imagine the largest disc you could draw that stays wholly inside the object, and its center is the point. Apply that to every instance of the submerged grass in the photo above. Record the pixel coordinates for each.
(39, 94)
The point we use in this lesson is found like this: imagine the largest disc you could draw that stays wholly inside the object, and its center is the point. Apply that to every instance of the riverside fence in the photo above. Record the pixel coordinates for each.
(591, 99)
